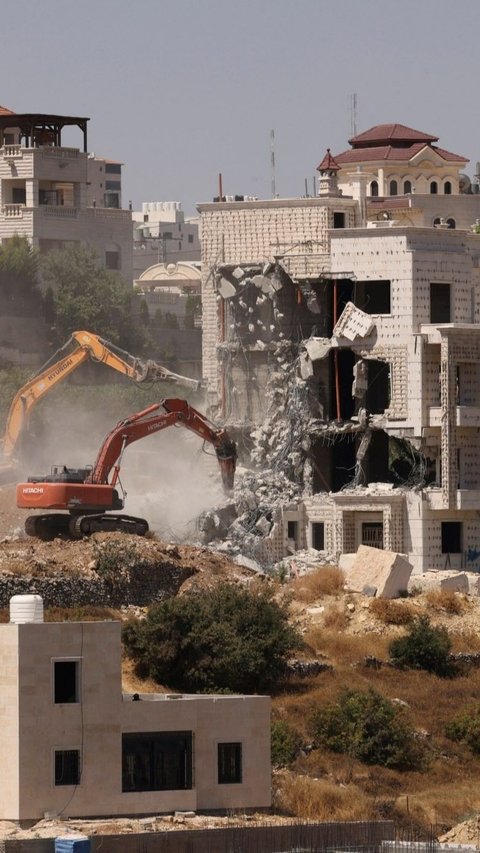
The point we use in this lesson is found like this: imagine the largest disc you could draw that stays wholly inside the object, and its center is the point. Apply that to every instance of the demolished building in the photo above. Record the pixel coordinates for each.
(345, 353)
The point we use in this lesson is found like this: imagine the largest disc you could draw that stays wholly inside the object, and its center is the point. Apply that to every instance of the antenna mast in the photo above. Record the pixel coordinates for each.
(272, 162)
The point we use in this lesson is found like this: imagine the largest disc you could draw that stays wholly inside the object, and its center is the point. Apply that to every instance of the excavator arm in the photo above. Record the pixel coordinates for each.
(173, 411)
(80, 347)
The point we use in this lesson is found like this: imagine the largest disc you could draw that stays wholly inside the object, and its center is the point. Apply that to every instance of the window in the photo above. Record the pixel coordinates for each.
(447, 188)
(113, 185)
(19, 195)
(374, 188)
(393, 188)
(338, 219)
(439, 302)
(318, 535)
(67, 766)
(66, 681)
(373, 296)
(157, 761)
(190, 238)
(451, 537)
(179, 245)
(111, 200)
(112, 260)
(434, 188)
(113, 168)
(451, 223)
(292, 527)
(167, 235)
(372, 534)
(407, 187)
(229, 763)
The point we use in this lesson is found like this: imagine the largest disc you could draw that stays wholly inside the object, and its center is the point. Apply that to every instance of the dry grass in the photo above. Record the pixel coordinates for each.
(327, 580)
(446, 601)
(335, 618)
(320, 799)
(392, 612)
(345, 649)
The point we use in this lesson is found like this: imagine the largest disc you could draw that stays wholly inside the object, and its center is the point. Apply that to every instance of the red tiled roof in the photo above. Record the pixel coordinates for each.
(386, 133)
(328, 164)
(4, 111)
(389, 152)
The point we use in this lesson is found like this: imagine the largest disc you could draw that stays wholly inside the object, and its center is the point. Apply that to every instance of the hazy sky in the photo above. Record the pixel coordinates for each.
(180, 90)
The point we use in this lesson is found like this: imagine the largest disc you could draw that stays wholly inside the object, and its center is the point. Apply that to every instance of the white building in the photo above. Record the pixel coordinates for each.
(58, 196)
(343, 333)
(162, 234)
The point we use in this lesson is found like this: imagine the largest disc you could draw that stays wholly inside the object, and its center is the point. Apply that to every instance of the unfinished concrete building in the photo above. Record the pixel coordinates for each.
(346, 355)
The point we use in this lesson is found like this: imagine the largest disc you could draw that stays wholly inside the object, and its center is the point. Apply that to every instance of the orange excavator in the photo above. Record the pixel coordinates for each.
(89, 495)
(80, 347)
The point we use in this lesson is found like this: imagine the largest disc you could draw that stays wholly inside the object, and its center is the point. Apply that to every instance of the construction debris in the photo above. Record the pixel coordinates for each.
(379, 573)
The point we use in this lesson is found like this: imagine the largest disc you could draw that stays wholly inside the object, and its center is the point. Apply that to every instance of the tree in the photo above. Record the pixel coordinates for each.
(368, 727)
(465, 727)
(88, 296)
(19, 273)
(285, 743)
(424, 646)
(227, 638)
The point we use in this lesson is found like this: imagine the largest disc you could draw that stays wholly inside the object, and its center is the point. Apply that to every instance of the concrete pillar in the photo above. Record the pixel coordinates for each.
(31, 192)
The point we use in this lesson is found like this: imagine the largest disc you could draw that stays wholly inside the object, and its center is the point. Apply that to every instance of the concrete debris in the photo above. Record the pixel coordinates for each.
(465, 582)
(387, 571)
(238, 273)
(306, 366)
(317, 348)
(226, 288)
(353, 323)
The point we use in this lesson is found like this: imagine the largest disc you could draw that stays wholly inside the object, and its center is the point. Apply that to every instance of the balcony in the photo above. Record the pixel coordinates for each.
(465, 416)
(12, 153)
(58, 210)
(13, 211)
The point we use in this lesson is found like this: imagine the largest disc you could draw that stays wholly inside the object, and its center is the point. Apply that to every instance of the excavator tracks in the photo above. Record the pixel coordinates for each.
(50, 525)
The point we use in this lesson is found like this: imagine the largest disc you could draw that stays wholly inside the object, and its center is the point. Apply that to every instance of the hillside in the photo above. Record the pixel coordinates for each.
(348, 633)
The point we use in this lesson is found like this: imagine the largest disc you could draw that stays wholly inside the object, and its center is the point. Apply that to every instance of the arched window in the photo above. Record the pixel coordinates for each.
(374, 188)
(407, 187)
(393, 188)
(434, 188)
(451, 223)
(447, 188)
(437, 220)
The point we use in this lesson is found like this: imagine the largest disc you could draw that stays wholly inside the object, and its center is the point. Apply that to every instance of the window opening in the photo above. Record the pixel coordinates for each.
(451, 537)
(373, 296)
(393, 188)
(440, 302)
(447, 188)
(378, 386)
(67, 766)
(229, 763)
(157, 761)
(407, 187)
(338, 220)
(374, 188)
(451, 223)
(372, 534)
(66, 681)
(434, 188)
(318, 535)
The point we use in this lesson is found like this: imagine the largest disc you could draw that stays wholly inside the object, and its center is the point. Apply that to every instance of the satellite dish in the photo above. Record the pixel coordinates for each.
(464, 184)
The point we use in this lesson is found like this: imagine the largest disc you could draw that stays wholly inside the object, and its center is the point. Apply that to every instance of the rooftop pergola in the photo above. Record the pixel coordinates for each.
(41, 129)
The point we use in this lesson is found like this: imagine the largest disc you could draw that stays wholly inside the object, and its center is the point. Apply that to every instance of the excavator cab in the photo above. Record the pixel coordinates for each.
(62, 474)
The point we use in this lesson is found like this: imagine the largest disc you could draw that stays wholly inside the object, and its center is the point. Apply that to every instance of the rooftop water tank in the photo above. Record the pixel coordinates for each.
(26, 608)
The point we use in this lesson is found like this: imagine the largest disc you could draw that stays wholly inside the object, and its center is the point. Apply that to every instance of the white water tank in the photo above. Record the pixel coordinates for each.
(26, 608)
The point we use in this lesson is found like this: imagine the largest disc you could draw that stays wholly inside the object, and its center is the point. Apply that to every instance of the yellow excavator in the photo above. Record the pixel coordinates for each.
(80, 347)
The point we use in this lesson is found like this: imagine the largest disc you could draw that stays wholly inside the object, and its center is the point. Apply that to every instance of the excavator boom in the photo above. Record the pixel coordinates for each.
(90, 494)
(79, 348)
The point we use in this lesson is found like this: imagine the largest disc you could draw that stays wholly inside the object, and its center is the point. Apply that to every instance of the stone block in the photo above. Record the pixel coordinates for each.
(386, 571)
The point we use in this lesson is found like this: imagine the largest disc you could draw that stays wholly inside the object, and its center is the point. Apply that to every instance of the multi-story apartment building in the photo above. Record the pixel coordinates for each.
(58, 196)
(341, 335)
(162, 234)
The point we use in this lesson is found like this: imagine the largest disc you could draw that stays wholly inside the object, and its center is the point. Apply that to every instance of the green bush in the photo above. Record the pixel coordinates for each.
(370, 728)
(423, 647)
(227, 638)
(465, 727)
(285, 743)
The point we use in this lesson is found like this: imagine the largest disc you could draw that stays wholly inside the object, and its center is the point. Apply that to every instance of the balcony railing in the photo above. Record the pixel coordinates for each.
(13, 211)
(61, 153)
(58, 210)
(12, 152)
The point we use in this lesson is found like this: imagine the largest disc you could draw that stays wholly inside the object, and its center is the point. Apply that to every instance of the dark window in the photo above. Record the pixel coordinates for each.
(67, 767)
(374, 188)
(145, 217)
(451, 223)
(229, 763)
(19, 195)
(66, 681)
(113, 168)
(157, 761)
(434, 188)
(447, 188)
(113, 185)
(338, 219)
(292, 530)
(167, 235)
(190, 238)
(111, 200)
(372, 534)
(9, 139)
(373, 296)
(393, 188)
(439, 302)
(112, 260)
(451, 537)
(179, 245)
(318, 535)
(407, 187)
